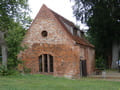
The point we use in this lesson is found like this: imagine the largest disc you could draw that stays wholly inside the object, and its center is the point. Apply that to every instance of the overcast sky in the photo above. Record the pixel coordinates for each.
(62, 7)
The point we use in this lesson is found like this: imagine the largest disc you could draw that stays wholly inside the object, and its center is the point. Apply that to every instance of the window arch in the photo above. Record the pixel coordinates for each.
(46, 63)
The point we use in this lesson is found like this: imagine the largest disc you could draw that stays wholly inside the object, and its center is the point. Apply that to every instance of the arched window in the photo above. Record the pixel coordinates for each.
(46, 63)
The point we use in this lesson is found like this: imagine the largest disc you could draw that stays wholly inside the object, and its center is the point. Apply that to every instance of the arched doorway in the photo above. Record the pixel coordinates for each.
(46, 63)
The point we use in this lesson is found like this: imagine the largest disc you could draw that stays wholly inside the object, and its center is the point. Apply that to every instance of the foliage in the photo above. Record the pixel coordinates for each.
(14, 19)
(17, 10)
(14, 37)
(100, 63)
(26, 70)
(103, 19)
(5, 72)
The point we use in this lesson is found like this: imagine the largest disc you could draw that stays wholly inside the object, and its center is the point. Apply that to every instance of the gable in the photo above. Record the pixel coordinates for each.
(59, 30)
(46, 21)
(75, 33)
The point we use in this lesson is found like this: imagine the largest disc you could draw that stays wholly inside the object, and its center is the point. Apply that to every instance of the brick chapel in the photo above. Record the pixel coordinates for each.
(55, 46)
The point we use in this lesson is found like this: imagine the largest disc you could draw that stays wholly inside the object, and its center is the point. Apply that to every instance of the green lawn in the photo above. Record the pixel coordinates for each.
(41, 82)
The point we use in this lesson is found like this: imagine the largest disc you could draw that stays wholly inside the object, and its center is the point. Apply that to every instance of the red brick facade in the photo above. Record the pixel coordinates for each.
(58, 43)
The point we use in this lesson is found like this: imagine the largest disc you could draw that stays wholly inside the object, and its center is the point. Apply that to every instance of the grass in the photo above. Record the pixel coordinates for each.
(113, 70)
(41, 82)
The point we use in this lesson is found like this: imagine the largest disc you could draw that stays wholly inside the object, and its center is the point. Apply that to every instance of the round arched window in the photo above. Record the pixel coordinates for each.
(44, 33)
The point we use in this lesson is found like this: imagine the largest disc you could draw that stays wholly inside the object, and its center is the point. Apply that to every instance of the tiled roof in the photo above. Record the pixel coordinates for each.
(78, 40)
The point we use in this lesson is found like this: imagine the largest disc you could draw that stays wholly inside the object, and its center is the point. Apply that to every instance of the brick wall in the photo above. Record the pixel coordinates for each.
(66, 59)
(45, 20)
(66, 55)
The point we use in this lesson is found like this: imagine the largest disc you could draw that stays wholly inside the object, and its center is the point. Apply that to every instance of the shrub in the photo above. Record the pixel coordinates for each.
(5, 72)
(100, 63)
(26, 70)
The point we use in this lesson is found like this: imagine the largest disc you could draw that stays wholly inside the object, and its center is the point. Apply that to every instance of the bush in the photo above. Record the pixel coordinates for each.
(100, 63)
(5, 72)
(26, 70)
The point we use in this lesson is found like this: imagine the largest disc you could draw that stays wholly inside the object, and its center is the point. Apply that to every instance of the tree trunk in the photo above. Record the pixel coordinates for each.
(4, 55)
(115, 55)
(4, 48)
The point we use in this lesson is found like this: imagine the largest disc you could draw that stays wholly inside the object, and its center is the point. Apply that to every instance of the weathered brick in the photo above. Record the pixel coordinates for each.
(66, 55)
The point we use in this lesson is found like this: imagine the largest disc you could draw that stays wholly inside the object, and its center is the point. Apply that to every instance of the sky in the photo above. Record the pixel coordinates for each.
(62, 7)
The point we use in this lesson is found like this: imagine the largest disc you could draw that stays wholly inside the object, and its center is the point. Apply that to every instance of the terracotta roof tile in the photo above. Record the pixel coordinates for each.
(78, 40)
(75, 38)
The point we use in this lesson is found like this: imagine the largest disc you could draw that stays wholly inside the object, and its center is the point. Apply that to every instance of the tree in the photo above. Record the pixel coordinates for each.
(103, 19)
(11, 11)
(13, 40)
(4, 49)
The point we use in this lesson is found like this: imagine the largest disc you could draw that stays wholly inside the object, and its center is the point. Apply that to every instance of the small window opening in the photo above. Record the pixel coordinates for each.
(44, 33)
(74, 32)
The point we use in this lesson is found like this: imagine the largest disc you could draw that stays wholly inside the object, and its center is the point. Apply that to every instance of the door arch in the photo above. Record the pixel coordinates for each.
(46, 63)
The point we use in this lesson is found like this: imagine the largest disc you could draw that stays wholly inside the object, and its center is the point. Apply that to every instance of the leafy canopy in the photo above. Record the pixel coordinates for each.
(17, 10)
(13, 39)
(14, 19)
(103, 19)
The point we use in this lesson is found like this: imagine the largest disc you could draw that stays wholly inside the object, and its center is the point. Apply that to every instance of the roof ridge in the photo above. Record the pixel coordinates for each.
(62, 17)
(65, 19)
(79, 40)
